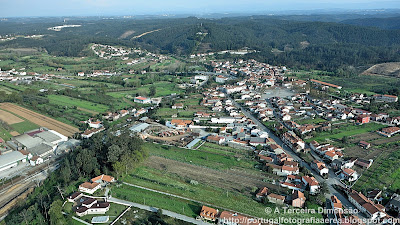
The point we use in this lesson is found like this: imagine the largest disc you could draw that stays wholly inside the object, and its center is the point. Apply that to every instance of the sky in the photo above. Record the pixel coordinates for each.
(38, 8)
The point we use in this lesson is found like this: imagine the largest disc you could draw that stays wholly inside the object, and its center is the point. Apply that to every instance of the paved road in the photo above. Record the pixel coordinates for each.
(332, 179)
(153, 209)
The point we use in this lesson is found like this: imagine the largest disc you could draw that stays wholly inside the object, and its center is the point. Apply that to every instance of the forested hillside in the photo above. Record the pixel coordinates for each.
(384, 23)
(299, 44)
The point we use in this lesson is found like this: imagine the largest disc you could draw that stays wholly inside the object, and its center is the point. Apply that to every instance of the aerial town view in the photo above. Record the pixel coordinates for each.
(208, 112)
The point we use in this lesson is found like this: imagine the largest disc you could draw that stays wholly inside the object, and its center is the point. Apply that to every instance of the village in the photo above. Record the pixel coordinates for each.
(276, 118)
(302, 165)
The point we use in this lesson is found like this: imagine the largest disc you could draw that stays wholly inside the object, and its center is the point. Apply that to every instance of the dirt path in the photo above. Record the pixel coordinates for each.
(230, 179)
(126, 34)
(172, 138)
(128, 101)
(39, 119)
(145, 33)
(87, 110)
(14, 133)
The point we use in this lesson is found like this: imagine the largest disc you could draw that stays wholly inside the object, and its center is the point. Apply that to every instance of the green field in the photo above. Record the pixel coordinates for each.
(4, 134)
(310, 121)
(365, 84)
(171, 183)
(346, 130)
(163, 88)
(220, 149)
(150, 198)
(24, 126)
(68, 101)
(214, 161)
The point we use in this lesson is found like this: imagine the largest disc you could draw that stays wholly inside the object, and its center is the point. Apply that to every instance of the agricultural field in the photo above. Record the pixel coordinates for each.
(24, 126)
(163, 88)
(45, 63)
(310, 121)
(158, 200)
(82, 83)
(12, 125)
(346, 130)
(38, 119)
(219, 189)
(79, 103)
(382, 174)
(217, 175)
(214, 161)
(365, 84)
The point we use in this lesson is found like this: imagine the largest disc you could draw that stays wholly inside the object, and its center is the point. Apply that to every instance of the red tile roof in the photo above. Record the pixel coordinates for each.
(103, 177)
(89, 185)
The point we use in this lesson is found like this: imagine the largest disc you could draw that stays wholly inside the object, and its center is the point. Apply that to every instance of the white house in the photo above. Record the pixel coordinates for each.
(223, 120)
(142, 100)
(312, 183)
(286, 117)
(348, 174)
(320, 167)
(95, 124)
(97, 208)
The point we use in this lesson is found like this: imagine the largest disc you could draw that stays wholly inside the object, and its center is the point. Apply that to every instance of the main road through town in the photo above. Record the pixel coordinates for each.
(330, 181)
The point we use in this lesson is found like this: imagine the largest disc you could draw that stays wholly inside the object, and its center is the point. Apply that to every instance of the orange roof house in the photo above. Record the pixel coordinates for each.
(262, 193)
(208, 213)
(104, 178)
(298, 199)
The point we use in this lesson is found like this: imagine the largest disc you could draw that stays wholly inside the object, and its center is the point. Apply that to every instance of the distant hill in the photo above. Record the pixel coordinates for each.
(384, 69)
(336, 47)
(390, 23)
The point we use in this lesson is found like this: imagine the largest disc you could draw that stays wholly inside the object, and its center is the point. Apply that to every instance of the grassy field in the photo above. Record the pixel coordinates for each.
(220, 149)
(214, 161)
(24, 126)
(4, 134)
(20, 127)
(173, 184)
(168, 112)
(154, 179)
(150, 198)
(12, 86)
(163, 88)
(165, 178)
(83, 83)
(365, 84)
(346, 130)
(68, 101)
(310, 121)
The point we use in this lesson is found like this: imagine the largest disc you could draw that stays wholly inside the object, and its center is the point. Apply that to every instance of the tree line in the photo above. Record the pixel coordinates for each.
(103, 153)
